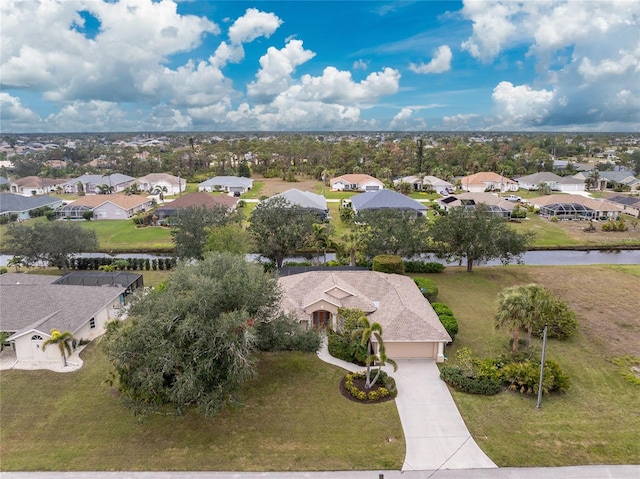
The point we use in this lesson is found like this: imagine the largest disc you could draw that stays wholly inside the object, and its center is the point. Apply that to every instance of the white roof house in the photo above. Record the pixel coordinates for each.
(306, 200)
(157, 182)
(386, 199)
(89, 183)
(228, 184)
(410, 326)
(355, 182)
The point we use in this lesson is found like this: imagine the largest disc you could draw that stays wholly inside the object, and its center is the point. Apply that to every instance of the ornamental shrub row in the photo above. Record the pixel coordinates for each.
(453, 376)
(448, 320)
(373, 395)
(129, 264)
(388, 263)
(423, 267)
(428, 287)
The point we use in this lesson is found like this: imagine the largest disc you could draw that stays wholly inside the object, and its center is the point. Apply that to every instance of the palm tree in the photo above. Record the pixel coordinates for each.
(63, 340)
(320, 239)
(16, 262)
(3, 338)
(511, 313)
(538, 303)
(353, 243)
(368, 331)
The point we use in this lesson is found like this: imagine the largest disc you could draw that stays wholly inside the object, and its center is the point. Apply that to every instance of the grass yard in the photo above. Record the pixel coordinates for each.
(119, 235)
(598, 419)
(293, 417)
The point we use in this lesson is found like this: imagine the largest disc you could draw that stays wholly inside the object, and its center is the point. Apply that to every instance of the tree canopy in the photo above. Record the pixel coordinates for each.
(477, 235)
(279, 228)
(392, 231)
(192, 226)
(53, 242)
(190, 343)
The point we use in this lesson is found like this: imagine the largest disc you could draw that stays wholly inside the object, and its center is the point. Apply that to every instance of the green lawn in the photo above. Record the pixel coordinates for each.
(120, 235)
(548, 234)
(597, 420)
(292, 417)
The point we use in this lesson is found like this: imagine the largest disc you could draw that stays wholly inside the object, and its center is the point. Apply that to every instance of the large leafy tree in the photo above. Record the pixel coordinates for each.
(63, 340)
(367, 331)
(191, 343)
(279, 228)
(192, 226)
(53, 242)
(477, 235)
(393, 231)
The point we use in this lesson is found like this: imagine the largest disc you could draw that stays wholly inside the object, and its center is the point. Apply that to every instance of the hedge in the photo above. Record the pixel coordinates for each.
(450, 324)
(473, 385)
(388, 263)
(428, 287)
(422, 267)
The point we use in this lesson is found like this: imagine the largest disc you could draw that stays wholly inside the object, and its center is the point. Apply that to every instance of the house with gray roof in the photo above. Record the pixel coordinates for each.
(33, 306)
(555, 182)
(386, 199)
(92, 184)
(498, 205)
(410, 326)
(307, 201)
(227, 184)
(13, 204)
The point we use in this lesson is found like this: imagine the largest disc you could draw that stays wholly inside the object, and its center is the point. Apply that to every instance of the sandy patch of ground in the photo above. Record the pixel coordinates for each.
(273, 186)
(8, 361)
(606, 301)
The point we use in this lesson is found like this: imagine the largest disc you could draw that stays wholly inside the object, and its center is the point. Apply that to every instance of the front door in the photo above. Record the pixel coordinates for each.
(321, 319)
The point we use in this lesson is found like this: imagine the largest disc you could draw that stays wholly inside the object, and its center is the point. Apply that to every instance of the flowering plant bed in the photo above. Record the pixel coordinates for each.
(352, 387)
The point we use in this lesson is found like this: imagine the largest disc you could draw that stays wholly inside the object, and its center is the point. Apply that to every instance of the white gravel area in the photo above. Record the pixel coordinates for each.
(8, 361)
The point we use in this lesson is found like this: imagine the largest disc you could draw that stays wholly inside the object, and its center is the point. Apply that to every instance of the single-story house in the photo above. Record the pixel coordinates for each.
(630, 204)
(426, 183)
(355, 182)
(565, 184)
(487, 181)
(228, 184)
(106, 207)
(155, 183)
(306, 200)
(564, 206)
(35, 185)
(497, 204)
(386, 199)
(92, 184)
(410, 326)
(11, 203)
(33, 306)
(172, 208)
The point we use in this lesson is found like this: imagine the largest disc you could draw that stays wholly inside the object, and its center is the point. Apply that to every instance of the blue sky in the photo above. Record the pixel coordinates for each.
(143, 65)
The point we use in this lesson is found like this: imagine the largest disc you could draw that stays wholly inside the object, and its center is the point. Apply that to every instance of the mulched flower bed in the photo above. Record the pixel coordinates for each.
(359, 383)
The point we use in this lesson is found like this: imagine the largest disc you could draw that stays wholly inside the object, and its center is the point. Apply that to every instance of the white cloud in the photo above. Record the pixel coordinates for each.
(459, 119)
(440, 63)
(400, 120)
(15, 116)
(360, 64)
(100, 115)
(521, 105)
(253, 24)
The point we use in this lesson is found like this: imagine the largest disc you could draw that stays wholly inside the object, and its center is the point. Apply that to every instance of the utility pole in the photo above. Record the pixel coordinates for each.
(544, 347)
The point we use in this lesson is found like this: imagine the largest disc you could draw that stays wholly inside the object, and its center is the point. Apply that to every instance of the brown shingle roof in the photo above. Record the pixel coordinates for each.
(485, 177)
(200, 199)
(123, 201)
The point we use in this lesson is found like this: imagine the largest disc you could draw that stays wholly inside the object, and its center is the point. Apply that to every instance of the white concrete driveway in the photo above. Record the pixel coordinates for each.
(434, 432)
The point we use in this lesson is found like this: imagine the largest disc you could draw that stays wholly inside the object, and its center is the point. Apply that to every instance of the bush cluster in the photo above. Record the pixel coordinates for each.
(284, 334)
(448, 320)
(454, 377)
(384, 381)
(129, 264)
(388, 263)
(428, 288)
(423, 267)
(615, 225)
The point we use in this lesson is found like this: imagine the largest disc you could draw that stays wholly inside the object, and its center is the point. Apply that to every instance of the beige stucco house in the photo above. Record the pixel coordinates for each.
(411, 328)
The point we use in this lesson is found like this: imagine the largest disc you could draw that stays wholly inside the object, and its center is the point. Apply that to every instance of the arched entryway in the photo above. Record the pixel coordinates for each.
(321, 319)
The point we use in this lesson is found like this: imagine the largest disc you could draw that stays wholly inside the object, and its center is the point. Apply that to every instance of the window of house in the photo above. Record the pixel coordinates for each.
(36, 337)
(92, 323)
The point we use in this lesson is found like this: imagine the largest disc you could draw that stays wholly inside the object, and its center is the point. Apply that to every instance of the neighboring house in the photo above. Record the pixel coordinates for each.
(227, 184)
(427, 183)
(356, 182)
(11, 203)
(35, 185)
(34, 305)
(89, 184)
(564, 184)
(106, 207)
(487, 181)
(4, 181)
(629, 204)
(575, 207)
(306, 200)
(156, 183)
(410, 326)
(173, 208)
(620, 177)
(497, 204)
(386, 199)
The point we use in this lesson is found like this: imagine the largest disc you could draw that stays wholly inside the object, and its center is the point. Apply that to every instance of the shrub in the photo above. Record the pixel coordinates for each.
(441, 308)
(453, 376)
(422, 267)
(283, 334)
(3, 270)
(4, 219)
(562, 324)
(388, 263)
(339, 345)
(428, 288)
(524, 376)
(450, 324)
(88, 215)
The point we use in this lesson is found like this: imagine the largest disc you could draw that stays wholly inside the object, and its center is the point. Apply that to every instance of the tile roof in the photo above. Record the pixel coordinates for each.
(32, 302)
(380, 199)
(37, 182)
(485, 177)
(123, 201)
(394, 301)
(354, 178)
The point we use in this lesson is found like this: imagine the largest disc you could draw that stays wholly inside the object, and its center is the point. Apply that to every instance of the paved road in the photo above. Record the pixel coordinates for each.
(435, 434)
(574, 472)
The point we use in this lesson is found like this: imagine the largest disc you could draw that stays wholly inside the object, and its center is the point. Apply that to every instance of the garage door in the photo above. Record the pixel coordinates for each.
(409, 350)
